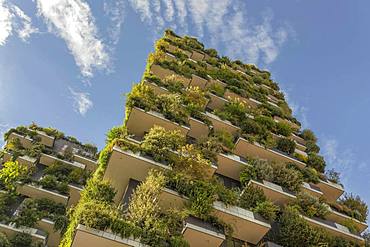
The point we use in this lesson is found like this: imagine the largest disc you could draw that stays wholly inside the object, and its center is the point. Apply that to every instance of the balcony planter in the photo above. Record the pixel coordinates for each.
(46, 139)
(87, 237)
(252, 103)
(276, 193)
(199, 233)
(10, 231)
(311, 189)
(74, 194)
(216, 102)
(37, 192)
(230, 165)
(198, 129)
(140, 122)
(54, 237)
(255, 150)
(90, 165)
(336, 216)
(158, 90)
(49, 160)
(125, 165)
(334, 229)
(197, 56)
(163, 73)
(222, 125)
(24, 140)
(170, 57)
(197, 81)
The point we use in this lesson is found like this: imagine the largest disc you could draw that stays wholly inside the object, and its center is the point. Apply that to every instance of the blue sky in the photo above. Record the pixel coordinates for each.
(69, 63)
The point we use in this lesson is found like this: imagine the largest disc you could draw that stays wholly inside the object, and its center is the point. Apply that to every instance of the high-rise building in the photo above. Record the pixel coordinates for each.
(210, 155)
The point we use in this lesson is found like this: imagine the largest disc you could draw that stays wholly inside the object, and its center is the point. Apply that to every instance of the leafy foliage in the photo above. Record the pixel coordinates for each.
(11, 173)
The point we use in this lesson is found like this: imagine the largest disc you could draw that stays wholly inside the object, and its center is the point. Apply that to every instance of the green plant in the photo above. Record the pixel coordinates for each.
(11, 173)
(4, 242)
(159, 143)
(333, 176)
(311, 147)
(217, 89)
(267, 210)
(283, 129)
(28, 214)
(356, 204)
(285, 145)
(224, 137)
(141, 96)
(250, 197)
(308, 135)
(21, 240)
(351, 225)
(316, 161)
(311, 206)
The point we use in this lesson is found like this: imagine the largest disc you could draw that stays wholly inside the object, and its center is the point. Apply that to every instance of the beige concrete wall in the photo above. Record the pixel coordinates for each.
(37, 192)
(53, 236)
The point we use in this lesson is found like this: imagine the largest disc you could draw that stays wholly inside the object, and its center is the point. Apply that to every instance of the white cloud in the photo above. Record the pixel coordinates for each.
(72, 20)
(13, 19)
(81, 101)
(3, 129)
(115, 10)
(225, 22)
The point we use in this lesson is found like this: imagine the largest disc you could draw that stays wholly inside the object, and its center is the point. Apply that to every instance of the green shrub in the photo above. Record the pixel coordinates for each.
(285, 145)
(4, 242)
(311, 206)
(267, 210)
(11, 173)
(224, 137)
(351, 225)
(356, 204)
(250, 197)
(333, 176)
(316, 161)
(310, 175)
(287, 177)
(250, 126)
(141, 96)
(311, 147)
(247, 174)
(117, 132)
(308, 135)
(21, 240)
(283, 129)
(217, 89)
(266, 122)
(98, 215)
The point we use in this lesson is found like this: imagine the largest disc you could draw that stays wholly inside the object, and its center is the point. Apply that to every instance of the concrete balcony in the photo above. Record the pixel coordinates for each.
(294, 126)
(23, 160)
(163, 73)
(336, 216)
(49, 160)
(247, 226)
(334, 229)
(222, 125)
(170, 57)
(230, 165)
(276, 193)
(140, 122)
(24, 140)
(197, 56)
(125, 165)
(11, 230)
(54, 237)
(300, 152)
(197, 81)
(246, 149)
(198, 129)
(216, 102)
(90, 165)
(273, 99)
(158, 90)
(199, 233)
(252, 103)
(45, 139)
(272, 104)
(87, 237)
(298, 140)
(74, 194)
(38, 192)
(331, 191)
(173, 49)
(312, 189)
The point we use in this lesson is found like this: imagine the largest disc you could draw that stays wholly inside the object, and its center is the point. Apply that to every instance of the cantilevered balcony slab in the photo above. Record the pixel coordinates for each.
(88, 237)
(49, 160)
(123, 165)
(298, 139)
(140, 122)
(222, 125)
(199, 233)
(90, 165)
(277, 194)
(255, 150)
(74, 194)
(45, 138)
(37, 192)
(336, 216)
(331, 191)
(246, 225)
(252, 103)
(294, 126)
(197, 81)
(24, 140)
(54, 237)
(197, 56)
(23, 160)
(11, 230)
(230, 165)
(216, 102)
(158, 90)
(170, 199)
(217, 83)
(334, 229)
(198, 129)
(163, 73)
(173, 49)
(312, 189)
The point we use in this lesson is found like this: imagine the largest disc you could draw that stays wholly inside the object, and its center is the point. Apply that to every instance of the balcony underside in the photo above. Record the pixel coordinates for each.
(200, 234)
(330, 190)
(274, 192)
(140, 122)
(230, 165)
